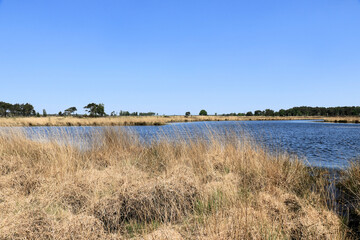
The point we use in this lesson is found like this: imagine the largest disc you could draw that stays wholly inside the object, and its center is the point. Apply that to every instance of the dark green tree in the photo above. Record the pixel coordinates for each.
(258, 113)
(70, 111)
(91, 109)
(203, 112)
(282, 112)
(95, 110)
(100, 110)
(187, 114)
(269, 112)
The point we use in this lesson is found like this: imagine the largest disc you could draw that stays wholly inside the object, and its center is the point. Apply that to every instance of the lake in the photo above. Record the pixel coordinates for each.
(329, 145)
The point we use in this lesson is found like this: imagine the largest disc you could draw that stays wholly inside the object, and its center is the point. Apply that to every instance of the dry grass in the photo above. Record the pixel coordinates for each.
(342, 119)
(225, 188)
(350, 185)
(128, 120)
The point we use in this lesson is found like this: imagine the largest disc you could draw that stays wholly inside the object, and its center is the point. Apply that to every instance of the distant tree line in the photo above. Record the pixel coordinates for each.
(127, 113)
(233, 114)
(304, 111)
(98, 110)
(311, 111)
(14, 110)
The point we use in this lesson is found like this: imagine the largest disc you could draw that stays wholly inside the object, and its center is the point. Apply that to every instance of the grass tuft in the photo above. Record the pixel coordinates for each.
(117, 187)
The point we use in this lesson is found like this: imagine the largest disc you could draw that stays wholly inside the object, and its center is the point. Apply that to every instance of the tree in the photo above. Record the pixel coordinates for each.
(95, 109)
(146, 114)
(44, 113)
(282, 112)
(124, 113)
(249, 114)
(91, 109)
(269, 112)
(100, 110)
(28, 109)
(203, 112)
(5, 108)
(187, 114)
(70, 111)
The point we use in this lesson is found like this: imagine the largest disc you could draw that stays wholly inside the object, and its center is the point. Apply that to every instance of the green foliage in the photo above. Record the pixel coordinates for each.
(269, 112)
(282, 112)
(310, 111)
(127, 113)
(95, 110)
(258, 113)
(12, 110)
(44, 113)
(203, 112)
(213, 204)
(70, 111)
(147, 114)
(187, 114)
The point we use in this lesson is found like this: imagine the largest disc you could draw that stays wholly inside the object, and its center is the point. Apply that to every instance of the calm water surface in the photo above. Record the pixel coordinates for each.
(321, 144)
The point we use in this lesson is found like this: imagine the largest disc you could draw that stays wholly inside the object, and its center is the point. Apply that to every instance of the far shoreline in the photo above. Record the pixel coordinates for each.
(150, 120)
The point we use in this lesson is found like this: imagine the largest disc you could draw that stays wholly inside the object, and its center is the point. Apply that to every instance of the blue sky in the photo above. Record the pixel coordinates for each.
(172, 56)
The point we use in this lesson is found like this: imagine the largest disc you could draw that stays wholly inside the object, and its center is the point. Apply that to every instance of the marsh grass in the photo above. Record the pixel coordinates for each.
(350, 197)
(349, 119)
(127, 120)
(221, 187)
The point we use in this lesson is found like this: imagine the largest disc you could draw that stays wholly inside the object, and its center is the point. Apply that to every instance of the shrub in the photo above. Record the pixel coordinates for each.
(203, 113)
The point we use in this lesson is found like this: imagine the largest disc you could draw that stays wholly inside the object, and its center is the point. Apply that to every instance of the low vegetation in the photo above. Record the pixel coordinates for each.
(126, 120)
(342, 119)
(117, 187)
(350, 187)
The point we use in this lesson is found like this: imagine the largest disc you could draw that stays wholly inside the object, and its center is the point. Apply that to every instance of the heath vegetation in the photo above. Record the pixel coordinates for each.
(118, 187)
(127, 120)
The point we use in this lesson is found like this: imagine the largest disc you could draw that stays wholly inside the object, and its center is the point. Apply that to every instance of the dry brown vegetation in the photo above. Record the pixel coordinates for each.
(127, 120)
(350, 186)
(342, 119)
(119, 188)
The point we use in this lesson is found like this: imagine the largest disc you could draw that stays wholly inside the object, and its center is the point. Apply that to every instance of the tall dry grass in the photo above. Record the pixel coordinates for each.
(120, 188)
(127, 120)
(350, 186)
(349, 119)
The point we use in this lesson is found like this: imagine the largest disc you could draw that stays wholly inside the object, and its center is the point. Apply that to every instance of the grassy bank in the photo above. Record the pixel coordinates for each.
(119, 188)
(342, 119)
(126, 121)
(350, 197)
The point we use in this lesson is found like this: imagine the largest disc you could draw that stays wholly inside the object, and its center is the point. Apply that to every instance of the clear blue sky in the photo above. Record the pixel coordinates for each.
(172, 56)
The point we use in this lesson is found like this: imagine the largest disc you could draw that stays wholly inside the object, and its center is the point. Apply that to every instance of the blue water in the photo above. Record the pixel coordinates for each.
(330, 145)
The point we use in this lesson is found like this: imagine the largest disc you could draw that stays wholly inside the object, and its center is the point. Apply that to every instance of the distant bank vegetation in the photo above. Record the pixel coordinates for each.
(305, 111)
(98, 110)
(24, 114)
